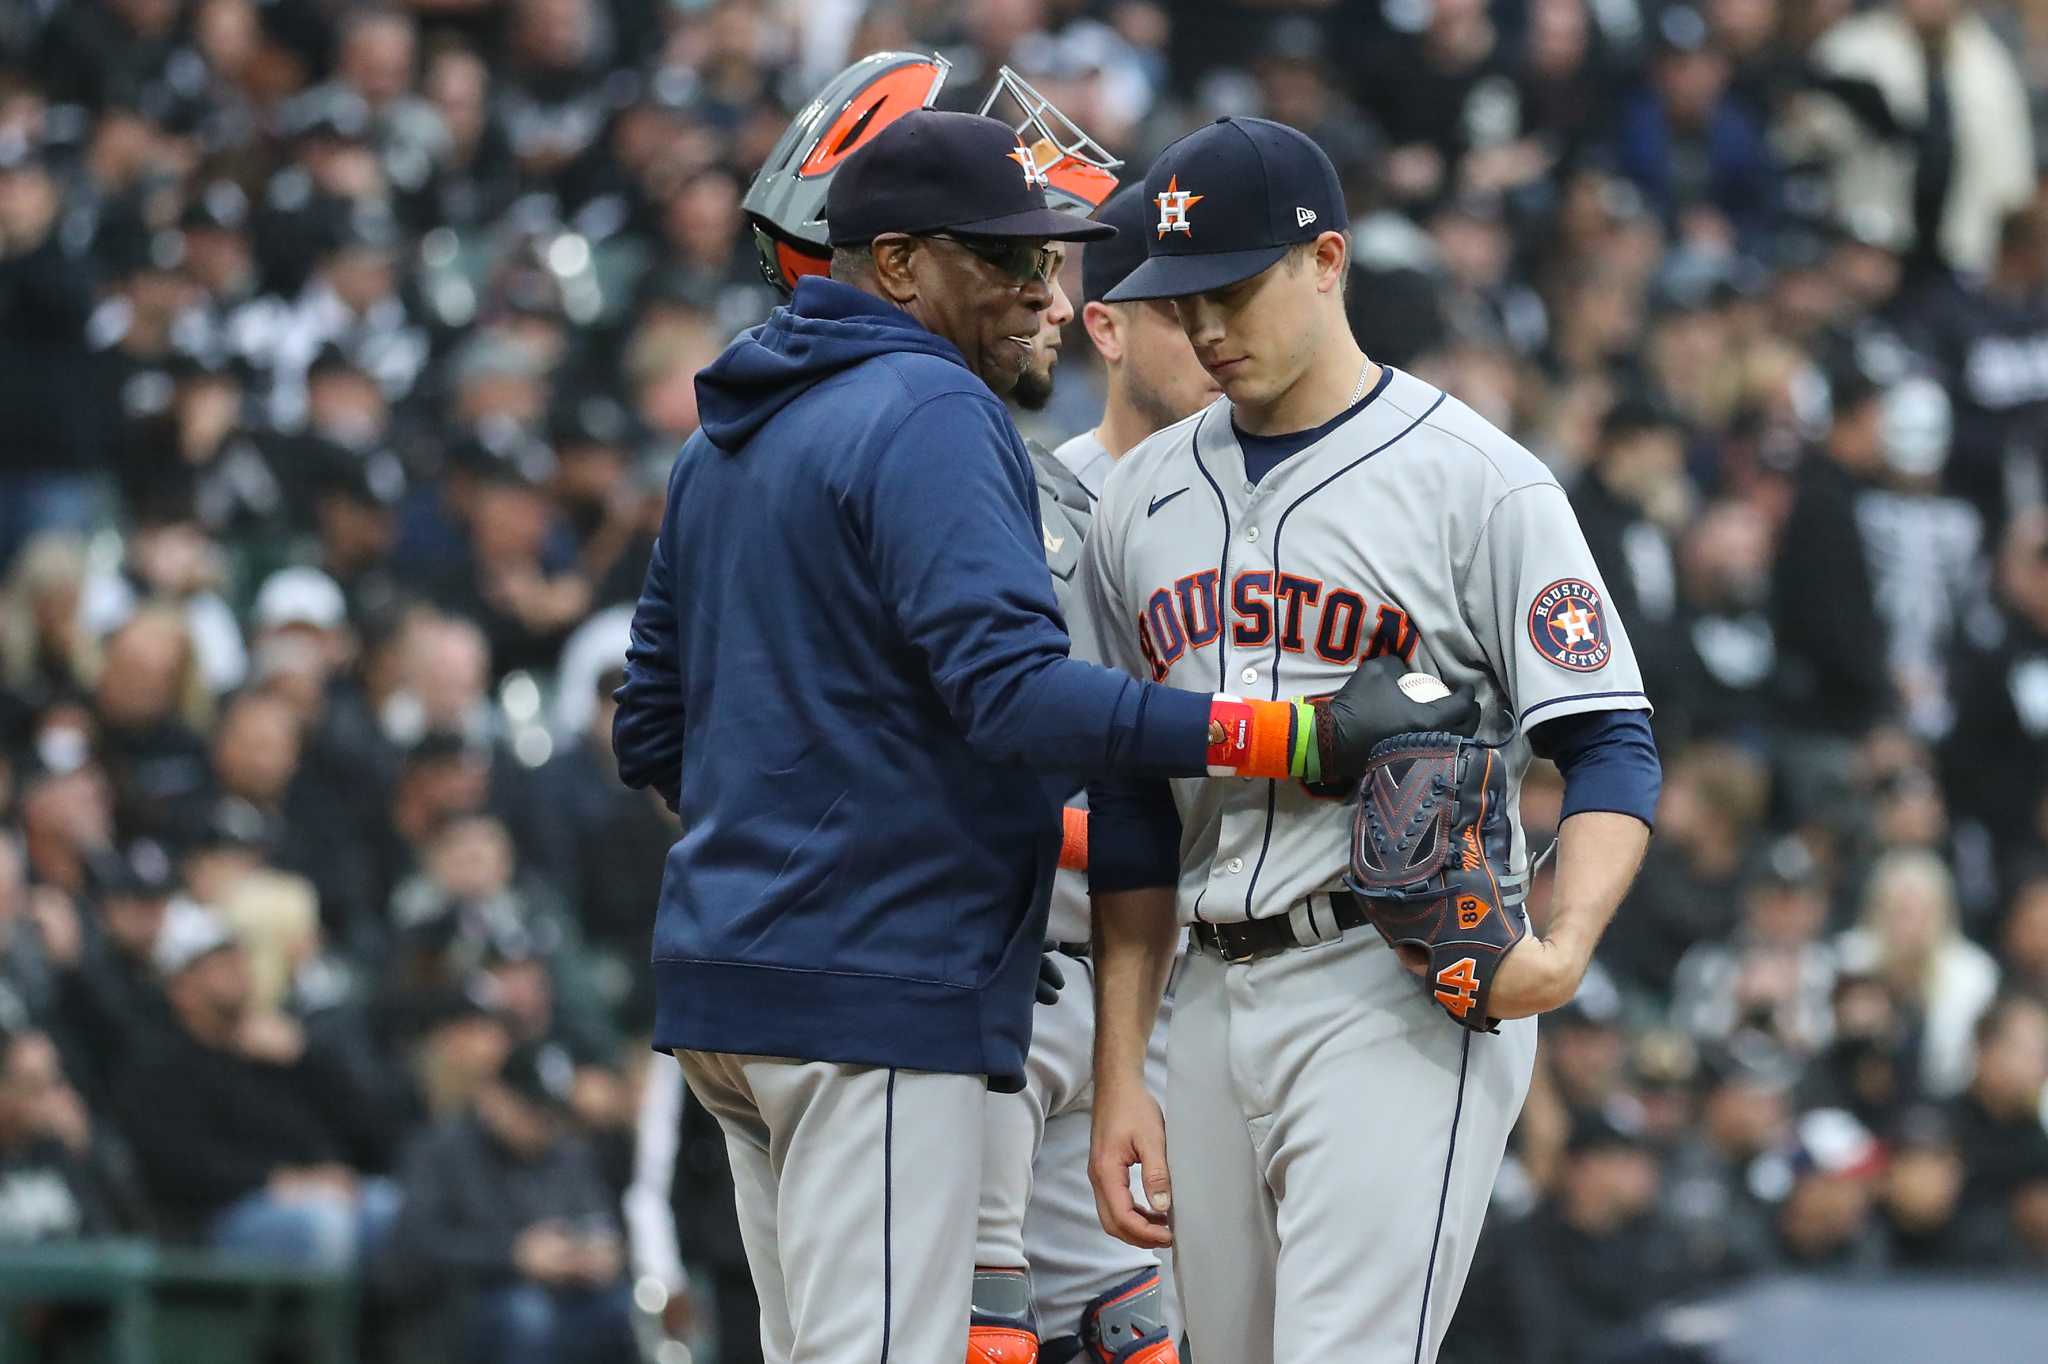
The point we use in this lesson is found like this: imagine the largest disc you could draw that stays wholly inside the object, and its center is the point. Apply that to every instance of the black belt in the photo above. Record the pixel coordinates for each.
(1251, 939)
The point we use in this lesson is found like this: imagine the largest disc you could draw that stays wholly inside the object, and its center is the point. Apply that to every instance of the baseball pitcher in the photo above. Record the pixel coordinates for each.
(1353, 1031)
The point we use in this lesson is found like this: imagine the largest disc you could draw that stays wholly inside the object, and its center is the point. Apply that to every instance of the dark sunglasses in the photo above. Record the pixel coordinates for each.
(1015, 258)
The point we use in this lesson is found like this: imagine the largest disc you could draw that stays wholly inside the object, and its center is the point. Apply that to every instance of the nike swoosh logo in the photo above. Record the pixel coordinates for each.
(1159, 502)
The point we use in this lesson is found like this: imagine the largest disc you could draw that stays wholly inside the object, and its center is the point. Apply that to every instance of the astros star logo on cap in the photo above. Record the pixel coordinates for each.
(1034, 178)
(1174, 203)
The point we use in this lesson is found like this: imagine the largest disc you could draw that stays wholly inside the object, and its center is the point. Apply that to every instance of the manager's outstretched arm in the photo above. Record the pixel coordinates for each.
(951, 534)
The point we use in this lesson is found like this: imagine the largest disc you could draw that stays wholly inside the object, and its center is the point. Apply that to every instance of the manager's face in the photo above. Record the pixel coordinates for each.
(985, 295)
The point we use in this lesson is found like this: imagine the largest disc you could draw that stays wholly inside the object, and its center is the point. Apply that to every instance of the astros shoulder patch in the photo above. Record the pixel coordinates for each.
(1568, 626)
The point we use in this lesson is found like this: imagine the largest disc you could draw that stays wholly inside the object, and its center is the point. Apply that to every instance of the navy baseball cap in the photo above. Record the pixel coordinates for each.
(1226, 202)
(1106, 264)
(932, 171)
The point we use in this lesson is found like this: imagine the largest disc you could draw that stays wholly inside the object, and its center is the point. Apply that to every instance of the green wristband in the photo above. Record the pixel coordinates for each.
(1306, 762)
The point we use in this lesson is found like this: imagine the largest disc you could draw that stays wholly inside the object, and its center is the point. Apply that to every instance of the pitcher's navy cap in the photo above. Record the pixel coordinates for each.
(931, 171)
(1104, 265)
(1227, 201)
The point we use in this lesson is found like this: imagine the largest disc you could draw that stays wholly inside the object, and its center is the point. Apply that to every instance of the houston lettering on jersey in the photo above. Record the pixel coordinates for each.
(1338, 624)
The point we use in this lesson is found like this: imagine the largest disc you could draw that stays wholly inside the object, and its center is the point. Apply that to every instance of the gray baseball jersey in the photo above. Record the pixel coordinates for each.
(1065, 509)
(1414, 528)
(1088, 460)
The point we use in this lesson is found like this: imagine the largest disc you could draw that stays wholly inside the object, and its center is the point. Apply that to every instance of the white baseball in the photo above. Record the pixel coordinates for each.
(1421, 687)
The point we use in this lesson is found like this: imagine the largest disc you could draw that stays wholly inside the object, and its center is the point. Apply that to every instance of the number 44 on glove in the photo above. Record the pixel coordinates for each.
(1430, 838)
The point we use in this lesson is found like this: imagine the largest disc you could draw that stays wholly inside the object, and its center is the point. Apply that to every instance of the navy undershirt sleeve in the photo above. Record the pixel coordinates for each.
(1609, 761)
(1133, 834)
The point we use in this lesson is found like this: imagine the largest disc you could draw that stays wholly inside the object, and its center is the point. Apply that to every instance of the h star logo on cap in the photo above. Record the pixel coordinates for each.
(1034, 178)
(1174, 203)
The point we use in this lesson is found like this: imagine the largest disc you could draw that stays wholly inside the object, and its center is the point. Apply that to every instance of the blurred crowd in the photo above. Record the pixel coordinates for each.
(344, 349)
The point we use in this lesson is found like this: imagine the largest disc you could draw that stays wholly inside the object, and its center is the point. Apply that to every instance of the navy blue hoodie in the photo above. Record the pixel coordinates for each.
(845, 667)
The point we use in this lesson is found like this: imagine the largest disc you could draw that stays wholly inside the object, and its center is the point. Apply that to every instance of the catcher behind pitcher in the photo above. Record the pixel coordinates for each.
(786, 202)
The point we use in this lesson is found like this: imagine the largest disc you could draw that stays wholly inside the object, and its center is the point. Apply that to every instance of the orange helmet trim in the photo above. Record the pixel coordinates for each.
(900, 92)
(795, 262)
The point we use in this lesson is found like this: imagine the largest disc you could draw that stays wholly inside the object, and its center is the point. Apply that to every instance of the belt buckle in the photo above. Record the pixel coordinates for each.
(1241, 955)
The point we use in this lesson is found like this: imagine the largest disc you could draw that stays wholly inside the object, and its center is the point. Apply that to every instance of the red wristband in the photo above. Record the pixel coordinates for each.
(1235, 718)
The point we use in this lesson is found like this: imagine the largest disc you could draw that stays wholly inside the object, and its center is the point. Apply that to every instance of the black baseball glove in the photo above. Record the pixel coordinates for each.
(1369, 707)
(1430, 840)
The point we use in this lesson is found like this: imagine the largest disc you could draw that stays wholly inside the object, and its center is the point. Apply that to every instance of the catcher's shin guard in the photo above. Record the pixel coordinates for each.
(1003, 1328)
(1127, 1325)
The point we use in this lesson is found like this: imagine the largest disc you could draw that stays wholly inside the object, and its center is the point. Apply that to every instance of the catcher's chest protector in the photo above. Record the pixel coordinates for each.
(1428, 837)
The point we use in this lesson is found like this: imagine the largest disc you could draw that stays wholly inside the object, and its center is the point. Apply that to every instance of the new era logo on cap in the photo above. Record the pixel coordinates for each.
(1303, 216)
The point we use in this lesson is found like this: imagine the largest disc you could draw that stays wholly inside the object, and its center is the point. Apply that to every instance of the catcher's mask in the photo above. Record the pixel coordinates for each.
(786, 202)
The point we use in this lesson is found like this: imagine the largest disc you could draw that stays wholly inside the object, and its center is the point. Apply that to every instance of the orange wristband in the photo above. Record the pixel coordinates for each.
(1074, 839)
(1257, 738)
